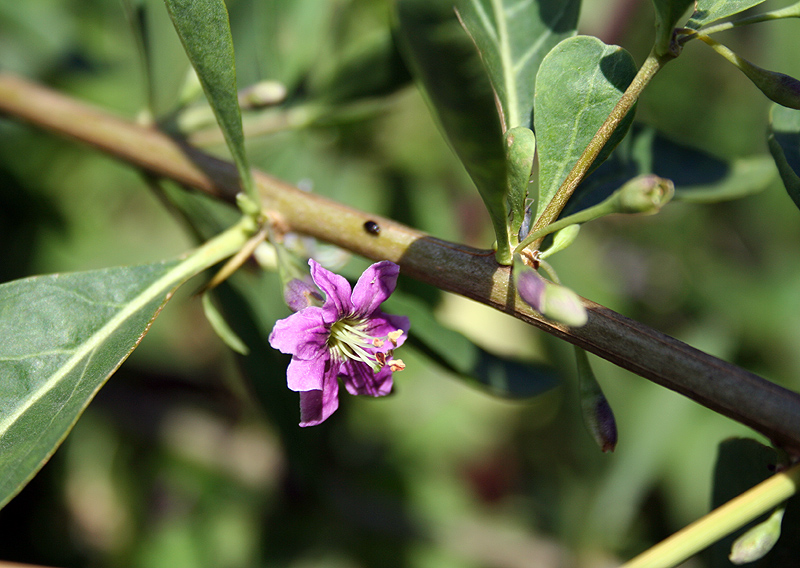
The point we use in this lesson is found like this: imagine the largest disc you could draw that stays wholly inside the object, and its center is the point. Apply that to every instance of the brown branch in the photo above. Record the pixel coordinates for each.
(722, 387)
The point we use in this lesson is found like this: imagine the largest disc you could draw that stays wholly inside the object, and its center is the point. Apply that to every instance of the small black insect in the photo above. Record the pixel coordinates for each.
(372, 228)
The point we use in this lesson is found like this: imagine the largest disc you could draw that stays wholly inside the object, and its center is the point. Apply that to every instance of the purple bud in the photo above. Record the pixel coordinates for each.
(530, 286)
(551, 300)
(300, 294)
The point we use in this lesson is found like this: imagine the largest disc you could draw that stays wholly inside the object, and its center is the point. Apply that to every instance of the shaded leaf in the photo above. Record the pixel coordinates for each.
(205, 33)
(699, 177)
(708, 11)
(741, 464)
(784, 144)
(499, 376)
(373, 68)
(513, 37)
(668, 13)
(448, 66)
(64, 335)
(578, 84)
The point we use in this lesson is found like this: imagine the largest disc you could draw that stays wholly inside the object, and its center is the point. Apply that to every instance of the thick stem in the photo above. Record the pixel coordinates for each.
(649, 68)
(725, 388)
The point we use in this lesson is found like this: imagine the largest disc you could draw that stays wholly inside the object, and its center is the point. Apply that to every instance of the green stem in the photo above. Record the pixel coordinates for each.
(606, 207)
(720, 522)
(792, 11)
(649, 68)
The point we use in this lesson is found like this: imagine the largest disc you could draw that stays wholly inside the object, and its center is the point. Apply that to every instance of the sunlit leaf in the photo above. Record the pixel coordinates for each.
(708, 11)
(513, 37)
(698, 176)
(447, 64)
(63, 336)
(578, 84)
(668, 13)
(206, 36)
(784, 144)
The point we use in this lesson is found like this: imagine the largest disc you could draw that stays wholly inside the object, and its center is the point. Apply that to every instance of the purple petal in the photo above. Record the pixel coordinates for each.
(531, 288)
(308, 375)
(360, 379)
(381, 325)
(336, 288)
(300, 294)
(303, 334)
(317, 405)
(374, 286)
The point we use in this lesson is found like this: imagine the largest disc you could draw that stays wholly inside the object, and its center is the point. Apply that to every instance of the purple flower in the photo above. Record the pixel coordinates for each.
(348, 337)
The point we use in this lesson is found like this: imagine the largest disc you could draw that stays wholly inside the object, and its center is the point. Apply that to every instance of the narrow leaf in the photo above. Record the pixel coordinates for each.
(708, 11)
(64, 335)
(668, 13)
(513, 37)
(784, 144)
(578, 84)
(205, 32)
(447, 64)
(221, 327)
(497, 375)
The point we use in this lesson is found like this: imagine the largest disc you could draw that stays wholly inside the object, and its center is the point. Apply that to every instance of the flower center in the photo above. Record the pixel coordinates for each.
(348, 339)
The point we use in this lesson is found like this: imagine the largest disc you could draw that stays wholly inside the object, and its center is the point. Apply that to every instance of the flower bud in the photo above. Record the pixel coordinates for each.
(759, 540)
(261, 94)
(645, 194)
(300, 294)
(779, 88)
(561, 240)
(597, 413)
(551, 300)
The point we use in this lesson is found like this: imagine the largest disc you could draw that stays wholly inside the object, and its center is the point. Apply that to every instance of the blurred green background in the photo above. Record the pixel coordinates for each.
(192, 457)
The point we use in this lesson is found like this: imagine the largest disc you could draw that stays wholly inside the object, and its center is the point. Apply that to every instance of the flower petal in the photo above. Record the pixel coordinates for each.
(306, 375)
(303, 334)
(361, 379)
(317, 405)
(381, 325)
(374, 286)
(337, 291)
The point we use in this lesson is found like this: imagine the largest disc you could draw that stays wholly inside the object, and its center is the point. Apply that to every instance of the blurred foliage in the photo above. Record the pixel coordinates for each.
(181, 462)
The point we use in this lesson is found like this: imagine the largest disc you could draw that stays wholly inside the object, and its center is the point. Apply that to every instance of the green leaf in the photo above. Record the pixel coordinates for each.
(446, 63)
(205, 33)
(221, 327)
(499, 376)
(699, 177)
(513, 37)
(741, 464)
(784, 144)
(64, 335)
(668, 13)
(708, 11)
(578, 84)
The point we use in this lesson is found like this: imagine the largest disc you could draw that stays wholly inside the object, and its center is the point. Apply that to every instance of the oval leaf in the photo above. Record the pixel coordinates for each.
(784, 144)
(448, 66)
(513, 37)
(708, 11)
(578, 84)
(205, 32)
